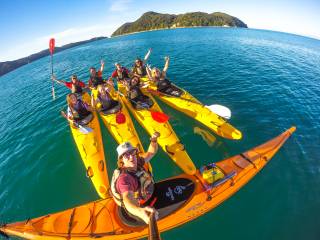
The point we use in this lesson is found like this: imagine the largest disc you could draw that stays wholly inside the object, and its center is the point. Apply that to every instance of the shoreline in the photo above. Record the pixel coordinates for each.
(259, 29)
(171, 28)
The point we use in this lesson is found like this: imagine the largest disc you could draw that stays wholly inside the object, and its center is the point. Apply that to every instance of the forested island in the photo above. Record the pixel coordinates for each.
(9, 66)
(154, 21)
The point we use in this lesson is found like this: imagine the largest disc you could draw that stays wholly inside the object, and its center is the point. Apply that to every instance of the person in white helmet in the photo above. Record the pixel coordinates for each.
(132, 184)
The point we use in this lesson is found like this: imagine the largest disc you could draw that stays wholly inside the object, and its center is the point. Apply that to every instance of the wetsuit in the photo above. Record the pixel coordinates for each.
(80, 113)
(121, 75)
(108, 105)
(166, 87)
(96, 79)
(138, 99)
(141, 71)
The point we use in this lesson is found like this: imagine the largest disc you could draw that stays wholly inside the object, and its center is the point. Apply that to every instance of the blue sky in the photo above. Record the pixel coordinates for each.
(27, 25)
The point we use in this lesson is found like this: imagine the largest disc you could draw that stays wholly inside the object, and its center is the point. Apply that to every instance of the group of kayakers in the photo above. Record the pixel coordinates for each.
(132, 184)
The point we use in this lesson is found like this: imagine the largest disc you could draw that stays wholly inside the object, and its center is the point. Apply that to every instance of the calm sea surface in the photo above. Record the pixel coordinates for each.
(269, 80)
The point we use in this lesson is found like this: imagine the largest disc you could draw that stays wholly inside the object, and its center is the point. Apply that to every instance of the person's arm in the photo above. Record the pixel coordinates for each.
(166, 66)
(93, 102)
(102, 66)
(147, 55)
(54, 78)
(133, 207)
(153, 148)
(69, 113)
(149, 73)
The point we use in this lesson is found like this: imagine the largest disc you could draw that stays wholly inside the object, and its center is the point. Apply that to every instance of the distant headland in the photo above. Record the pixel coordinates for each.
(9, 66)
(154, 21)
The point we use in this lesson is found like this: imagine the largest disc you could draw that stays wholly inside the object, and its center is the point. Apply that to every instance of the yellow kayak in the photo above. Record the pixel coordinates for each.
(193, 108)
(120, 124)
(168, 140)
(91, 150)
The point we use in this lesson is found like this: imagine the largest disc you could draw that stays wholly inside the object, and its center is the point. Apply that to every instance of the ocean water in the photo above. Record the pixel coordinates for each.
(269, 80)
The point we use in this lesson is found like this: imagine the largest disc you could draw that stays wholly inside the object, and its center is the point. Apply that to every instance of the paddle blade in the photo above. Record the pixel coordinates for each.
(51, 45)
(120, 118)
(159, 117)
(84, 129)
(220, 110)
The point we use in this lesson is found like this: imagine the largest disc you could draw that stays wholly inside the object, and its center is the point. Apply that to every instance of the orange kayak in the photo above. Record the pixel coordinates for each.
(178, 200)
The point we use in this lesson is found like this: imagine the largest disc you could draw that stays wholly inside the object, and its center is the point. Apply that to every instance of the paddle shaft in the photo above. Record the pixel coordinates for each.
(153, 228)
(51, 49)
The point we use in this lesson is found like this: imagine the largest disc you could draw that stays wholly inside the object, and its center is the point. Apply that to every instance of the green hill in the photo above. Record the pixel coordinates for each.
(9, 66)
(153, 21)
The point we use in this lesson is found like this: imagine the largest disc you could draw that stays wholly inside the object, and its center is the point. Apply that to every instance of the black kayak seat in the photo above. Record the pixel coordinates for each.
(115, 107)
(168, 196)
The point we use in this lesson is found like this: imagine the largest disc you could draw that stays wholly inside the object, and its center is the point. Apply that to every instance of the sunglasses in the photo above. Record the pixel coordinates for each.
(129, 153)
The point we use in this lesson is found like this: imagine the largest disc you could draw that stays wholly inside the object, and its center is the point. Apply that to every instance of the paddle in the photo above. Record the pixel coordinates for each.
(51, 49)
(83, 129)
(220, 110)
(153, 228)
(160, 117)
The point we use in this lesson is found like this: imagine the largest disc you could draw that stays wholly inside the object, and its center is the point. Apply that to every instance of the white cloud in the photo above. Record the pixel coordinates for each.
(120, 5)
(75, 33)
(64, 37)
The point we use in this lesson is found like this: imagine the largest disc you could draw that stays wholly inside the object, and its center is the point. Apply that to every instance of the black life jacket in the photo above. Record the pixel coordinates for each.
(96, 80)
(76, 88)
(163, 84)
(106, 101)
(79, 111)
(122, 75)
(135, 93)
(141, 71)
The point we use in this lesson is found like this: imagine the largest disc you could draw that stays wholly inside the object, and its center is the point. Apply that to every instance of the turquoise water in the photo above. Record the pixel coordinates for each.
(269, 80)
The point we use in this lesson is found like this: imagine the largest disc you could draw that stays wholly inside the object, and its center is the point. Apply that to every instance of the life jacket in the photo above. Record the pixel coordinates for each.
(96, 80)
(145, 185)
(122, 75)
(76, 88)
(141, 71)
(163, 84)
(79, 111)
(135, 92)
(105, 101)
